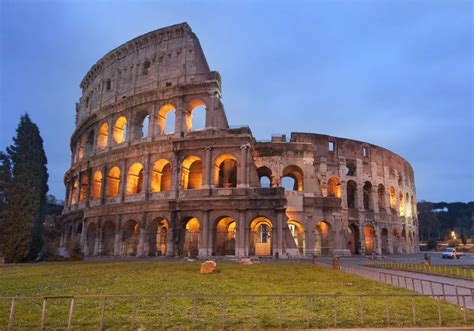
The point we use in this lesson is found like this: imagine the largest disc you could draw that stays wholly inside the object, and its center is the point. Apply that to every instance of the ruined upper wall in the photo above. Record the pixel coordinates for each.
(160, 59)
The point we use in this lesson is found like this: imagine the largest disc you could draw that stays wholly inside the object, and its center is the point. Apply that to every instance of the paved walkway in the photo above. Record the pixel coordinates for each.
(453, 290)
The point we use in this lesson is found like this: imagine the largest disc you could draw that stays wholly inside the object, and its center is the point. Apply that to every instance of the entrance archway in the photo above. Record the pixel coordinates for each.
(384, 234)
(369, 237)
(225, 236)
(353, 243)
(323, 245)
(131, 235)
(297, 232)
(108, 238)
(191, 238)
(157, 237)
(261, 237)
(90, 238)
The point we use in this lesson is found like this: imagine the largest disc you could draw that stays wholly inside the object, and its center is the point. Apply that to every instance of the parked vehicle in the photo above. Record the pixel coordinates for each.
(451, 253)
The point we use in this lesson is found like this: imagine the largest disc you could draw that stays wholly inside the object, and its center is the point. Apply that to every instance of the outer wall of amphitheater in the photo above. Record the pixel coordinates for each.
(146, 180)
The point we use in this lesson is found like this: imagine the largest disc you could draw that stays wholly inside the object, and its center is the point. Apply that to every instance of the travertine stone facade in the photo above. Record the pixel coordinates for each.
(142, 185)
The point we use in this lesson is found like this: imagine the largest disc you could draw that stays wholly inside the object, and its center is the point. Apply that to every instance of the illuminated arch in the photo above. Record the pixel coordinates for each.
(103, 136)
(225, 236)
(191, 237)
(135, 178)
(130, 238)
(166, 119)
(75, 187)
(96, 185)
(369, 237)
(161, 176)
(393, 197)
(294, 172)
(323, 245)
(84, 189)
(225, 171)
(261, 236)
(120, 130)
(112, 186)
(89, 145)
(401, 205)
(334, 187)
(157, 233)
(297, 232)
(191, 173)
(194, 106)
(381, 196)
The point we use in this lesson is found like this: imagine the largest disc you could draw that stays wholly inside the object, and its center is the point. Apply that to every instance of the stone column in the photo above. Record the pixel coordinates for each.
(180, 116)
(279, 232)
(208, 169)
(89, 186)
(378, 241)
(309, 237)
(210, 111)
(152, 125)
(103, 184)
(175, 177)
(240, 240)
(118, 237)
(204, 240)
(147, 177)
(246, 239)
(362, 238)
(142, 239)
(98, 237)
(359, 197)
(242, 172)
(83, 236)
(344, 194)
(123, 180)
(171, 230)
(79, 185)
(374, 199)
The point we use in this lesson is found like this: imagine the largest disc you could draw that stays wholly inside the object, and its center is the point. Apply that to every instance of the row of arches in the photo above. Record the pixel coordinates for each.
(292, 178)
(161, 177)
(141, 126)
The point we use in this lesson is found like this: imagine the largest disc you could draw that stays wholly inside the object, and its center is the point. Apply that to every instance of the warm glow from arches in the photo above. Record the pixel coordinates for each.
(161, 176)
(103, 136)
(225, 171)
(113, 182)
(120, 130)
(334, 187)
(393, 197)
(193, 225)
(96, 185)
(189, 112)
(191, 173)
(135, 178)
(163, 117)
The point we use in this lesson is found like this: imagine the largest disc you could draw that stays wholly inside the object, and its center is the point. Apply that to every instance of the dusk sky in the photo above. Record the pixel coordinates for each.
(398, 74)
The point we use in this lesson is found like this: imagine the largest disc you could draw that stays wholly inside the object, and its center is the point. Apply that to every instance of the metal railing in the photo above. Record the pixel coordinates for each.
(333, 310)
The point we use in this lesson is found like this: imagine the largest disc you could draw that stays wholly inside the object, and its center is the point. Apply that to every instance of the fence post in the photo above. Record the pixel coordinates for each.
(412, 283)
(431, 287)
(224, 308)
(422, 289)
(465, 309)
(457, 294)
(71, 313)
(43, 313)
(413, 308)
(12, 314)
(194, 311)
(252, 313)
(444, 293)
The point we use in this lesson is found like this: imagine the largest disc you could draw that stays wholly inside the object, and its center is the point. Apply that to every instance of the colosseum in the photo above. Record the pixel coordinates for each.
(146, 180)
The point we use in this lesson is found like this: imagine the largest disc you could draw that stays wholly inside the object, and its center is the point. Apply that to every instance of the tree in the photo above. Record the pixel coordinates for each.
(26, 196)
(5, 184)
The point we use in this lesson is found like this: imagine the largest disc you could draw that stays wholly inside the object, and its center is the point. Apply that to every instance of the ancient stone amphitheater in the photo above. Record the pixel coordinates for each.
(145, 182)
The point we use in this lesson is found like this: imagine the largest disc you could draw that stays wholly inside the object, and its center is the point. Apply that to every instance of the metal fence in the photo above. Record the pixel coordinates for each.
(239, 311)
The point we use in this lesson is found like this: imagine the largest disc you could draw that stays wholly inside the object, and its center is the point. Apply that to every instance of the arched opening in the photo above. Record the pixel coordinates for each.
(131, 236)
(407, 206)
(113, 182)
(191, 173)
(80, 148)
(120, 130)
(161, 176)
(353, 243)
(393, 197)
(323, 244)
(96, 185)
(265, 176)
(191, 238)
(351, 168)
(79, 230)
(334, 187)
(297, 232)
(351, 194)
(401, 204)
(414, 212)
(103, 136)
(158, 237)
(381, 197)
(367, 196)
(404, 241)
(135, 179)
(84, 191)
(292, 178)
(225, 235)
(384, 234)
(261, 237)
(196, 115)
(141, 125)
(90, 238)
(89, 147)
(395, 241)
(166, 119)
(225, 174)
(108, 238)
(369, 236)
(75, 187)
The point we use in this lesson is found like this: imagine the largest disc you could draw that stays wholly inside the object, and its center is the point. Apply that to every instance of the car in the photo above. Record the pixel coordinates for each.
(451, 253)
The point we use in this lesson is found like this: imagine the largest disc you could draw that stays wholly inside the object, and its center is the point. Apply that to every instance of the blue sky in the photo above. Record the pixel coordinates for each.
(398, 74)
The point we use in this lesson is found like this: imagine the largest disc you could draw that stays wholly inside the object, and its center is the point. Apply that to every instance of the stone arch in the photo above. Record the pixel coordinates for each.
(381, 197)
(353, 243)
(190, 240)
(225, 229)
(324, 241)
(261, 240)
(112, 186)
(89, 145)
(120, 130)
(75, 187)
(401, 204)
(395, 241)
(195, 108)
(294, 172)
(392, 197)
(141, 124)
(108, 238)
(84, 186)
(130, 238)
(103, 136)
(158, 232)
(384, 235)
(334, 187)
(265, 176)
(298, 234)
(407, 205)
(96, 185)
(167, 119)
(404, 241)
(191, 173)
(225, 171)
(351, 194)
(370, 239)
(135, 178)
(367, 196)
(161, 176)
(91, 234)
(80, 148)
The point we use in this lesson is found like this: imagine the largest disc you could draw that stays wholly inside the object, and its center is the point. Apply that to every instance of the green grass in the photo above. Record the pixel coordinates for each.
(159, 278)
(466, 272)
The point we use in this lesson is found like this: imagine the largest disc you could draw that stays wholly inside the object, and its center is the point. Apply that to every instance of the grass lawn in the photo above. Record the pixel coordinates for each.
(160, 278)
(466, 272)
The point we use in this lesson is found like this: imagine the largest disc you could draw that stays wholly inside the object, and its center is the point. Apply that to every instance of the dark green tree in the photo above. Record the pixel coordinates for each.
(5, 184)
(26, 197)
